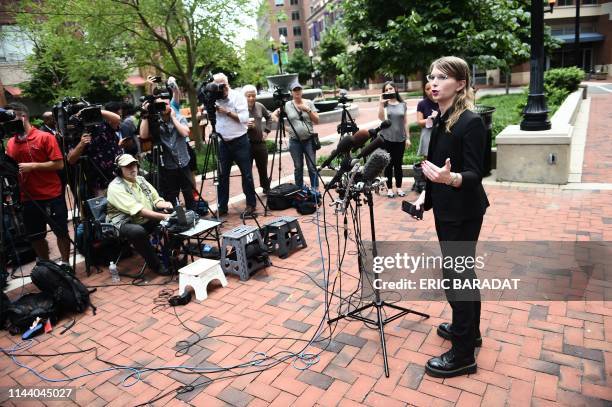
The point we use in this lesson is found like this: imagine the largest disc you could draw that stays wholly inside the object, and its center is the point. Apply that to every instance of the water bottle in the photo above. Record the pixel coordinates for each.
(114, 272)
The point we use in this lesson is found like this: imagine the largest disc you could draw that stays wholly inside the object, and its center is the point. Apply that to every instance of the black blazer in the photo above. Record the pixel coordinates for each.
(468, 140)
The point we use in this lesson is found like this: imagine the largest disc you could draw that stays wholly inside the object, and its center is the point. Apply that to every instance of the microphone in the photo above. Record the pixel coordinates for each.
(374, 144)
(376, 164)
(344, 146)
(345, 166)
(360, 138)
(385, 124)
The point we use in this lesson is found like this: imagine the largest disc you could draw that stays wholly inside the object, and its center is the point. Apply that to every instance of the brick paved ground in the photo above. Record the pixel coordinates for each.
(534, 353)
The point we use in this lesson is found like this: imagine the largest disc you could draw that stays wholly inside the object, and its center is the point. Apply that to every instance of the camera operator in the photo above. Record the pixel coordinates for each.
(232, 119)
(302, 115)
(174, 172)
(132, 206)
(39, 158)
(101, 145)
(129, 130)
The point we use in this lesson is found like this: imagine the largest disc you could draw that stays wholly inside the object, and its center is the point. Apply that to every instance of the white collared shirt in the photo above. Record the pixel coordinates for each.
(228, 127)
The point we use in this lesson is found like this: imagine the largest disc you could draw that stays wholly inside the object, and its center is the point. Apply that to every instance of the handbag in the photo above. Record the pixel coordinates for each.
(316, 144)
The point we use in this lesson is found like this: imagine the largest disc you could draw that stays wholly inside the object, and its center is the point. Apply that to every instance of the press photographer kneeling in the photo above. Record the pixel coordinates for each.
(132, 206)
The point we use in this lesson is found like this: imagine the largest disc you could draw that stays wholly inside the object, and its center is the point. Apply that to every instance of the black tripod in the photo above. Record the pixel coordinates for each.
(347, 123)
(378, 303)
(82, 170)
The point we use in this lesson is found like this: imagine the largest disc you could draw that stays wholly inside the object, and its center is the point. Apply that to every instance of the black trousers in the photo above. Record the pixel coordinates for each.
(259, 153)
(138, 236)
(459, 238)
(396, 149)
(176, 181)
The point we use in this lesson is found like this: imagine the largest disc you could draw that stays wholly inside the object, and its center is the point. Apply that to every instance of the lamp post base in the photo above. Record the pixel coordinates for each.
(535, 115)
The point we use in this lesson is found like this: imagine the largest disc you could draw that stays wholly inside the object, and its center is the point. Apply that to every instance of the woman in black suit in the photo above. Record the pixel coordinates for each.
(454, 169)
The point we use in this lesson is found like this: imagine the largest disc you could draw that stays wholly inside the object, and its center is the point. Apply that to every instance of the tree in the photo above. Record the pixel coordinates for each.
(405, 36)
(255, 64)
(185, 39)
(299, 63)
(333, 61)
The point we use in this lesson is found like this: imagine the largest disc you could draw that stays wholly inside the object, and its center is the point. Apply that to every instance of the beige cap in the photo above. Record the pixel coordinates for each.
(126, 159)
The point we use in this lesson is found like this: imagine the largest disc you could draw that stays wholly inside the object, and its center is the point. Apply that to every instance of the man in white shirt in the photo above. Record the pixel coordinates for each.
(234, 146)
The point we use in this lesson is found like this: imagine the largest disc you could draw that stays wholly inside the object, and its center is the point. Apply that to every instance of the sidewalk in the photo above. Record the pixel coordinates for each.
(534, 353)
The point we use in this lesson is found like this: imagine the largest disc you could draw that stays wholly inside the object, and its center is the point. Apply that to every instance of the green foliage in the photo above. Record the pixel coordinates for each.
(558, 84)
(564, 78)
(405, 36)
(506, 112)
(108, 38)
(299, 63)
(332, 60)
(255, 64)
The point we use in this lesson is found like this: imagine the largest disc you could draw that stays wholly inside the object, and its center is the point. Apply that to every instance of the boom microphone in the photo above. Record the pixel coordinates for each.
(344, 146)
(374, 144)
(345, 166)
(385, 124)
(376, 164)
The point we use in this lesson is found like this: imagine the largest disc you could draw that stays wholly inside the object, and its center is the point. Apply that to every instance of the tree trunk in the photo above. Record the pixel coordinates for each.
(508, 78)
(195, 123)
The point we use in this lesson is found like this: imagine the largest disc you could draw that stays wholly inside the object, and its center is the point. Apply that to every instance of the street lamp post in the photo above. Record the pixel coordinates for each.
(312, 72)
(535, 115)
(279, 50)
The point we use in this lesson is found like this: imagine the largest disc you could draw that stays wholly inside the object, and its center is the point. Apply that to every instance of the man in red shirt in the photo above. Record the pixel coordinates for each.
(39, 158)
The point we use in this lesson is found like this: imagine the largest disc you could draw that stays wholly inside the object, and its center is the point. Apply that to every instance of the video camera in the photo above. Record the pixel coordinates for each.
(208, 94)
(75, 116)
(343, 99)
(281, 96)
(10, 125)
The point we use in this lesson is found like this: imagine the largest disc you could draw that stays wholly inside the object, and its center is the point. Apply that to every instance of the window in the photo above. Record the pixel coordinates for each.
(15, 46)
(293, 2)
(295, 15)
(282, 31)
(298, 44)
(279, 3)
(565, 2)
(297, 31)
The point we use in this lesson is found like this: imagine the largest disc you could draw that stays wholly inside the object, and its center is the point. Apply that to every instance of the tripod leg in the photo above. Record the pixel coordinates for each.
(381, 330)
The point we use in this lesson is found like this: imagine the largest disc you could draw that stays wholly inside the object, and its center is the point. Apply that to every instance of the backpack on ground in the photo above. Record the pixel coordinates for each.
(59, 282)
(23, 312)
(281, 196)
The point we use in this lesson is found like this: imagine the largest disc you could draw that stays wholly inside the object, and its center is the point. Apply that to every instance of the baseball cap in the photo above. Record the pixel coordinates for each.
(296, 86)
(126, 159)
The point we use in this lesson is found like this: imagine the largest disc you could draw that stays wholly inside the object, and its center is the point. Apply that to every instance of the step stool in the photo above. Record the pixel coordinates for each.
(198, 274)
(249, 252)
(283, 235)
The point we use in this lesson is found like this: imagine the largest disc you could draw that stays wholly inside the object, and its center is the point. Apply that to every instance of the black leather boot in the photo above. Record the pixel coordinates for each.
(444, 331)
(449, 365)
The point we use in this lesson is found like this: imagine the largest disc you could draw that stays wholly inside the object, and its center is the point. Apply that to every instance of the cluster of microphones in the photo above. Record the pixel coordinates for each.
(376, 158)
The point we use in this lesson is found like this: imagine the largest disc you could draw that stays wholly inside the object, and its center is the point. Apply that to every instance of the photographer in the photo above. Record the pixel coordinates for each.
(232, 119)
(129, 130)
(259, 149)
(101, 145)
(302, 116)
(39, 158)
(174, 171)
(132, 206)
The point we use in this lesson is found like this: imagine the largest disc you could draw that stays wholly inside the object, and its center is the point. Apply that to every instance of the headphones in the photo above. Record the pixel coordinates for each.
(117, 169)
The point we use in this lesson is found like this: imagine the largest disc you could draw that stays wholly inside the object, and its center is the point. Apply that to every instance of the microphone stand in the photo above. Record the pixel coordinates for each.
(377, 303)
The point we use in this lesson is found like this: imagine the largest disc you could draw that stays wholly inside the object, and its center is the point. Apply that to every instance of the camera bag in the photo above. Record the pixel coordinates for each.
(23, 312)
(60, 283)
(282, 196)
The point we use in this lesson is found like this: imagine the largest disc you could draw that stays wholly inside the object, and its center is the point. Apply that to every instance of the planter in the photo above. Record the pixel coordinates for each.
(326, 105)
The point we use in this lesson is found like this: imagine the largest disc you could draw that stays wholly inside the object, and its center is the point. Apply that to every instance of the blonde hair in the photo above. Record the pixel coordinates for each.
(458, 69)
